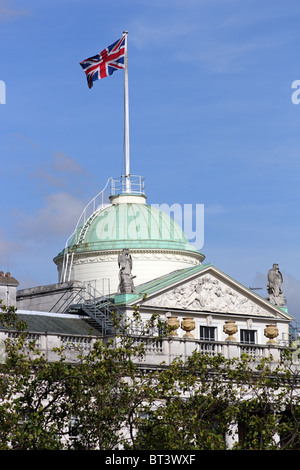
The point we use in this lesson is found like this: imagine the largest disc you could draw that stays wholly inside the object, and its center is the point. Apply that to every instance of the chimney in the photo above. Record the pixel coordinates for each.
(8, 289)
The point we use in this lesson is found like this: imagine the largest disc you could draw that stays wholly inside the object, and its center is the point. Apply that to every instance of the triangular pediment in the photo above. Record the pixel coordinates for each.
(211, 290)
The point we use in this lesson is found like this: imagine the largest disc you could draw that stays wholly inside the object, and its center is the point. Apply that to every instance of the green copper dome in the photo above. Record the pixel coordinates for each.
(132, 225)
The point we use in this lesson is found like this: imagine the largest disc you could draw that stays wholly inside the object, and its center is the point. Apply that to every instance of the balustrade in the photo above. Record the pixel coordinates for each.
(164, 347)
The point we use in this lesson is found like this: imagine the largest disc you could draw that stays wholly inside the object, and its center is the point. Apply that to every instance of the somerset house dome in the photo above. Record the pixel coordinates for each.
(156, 242)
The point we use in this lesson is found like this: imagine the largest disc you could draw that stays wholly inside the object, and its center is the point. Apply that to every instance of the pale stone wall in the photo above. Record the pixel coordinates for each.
(103, 267)
(156, 352)
(8, 295)
(8, 289)
(53, 297)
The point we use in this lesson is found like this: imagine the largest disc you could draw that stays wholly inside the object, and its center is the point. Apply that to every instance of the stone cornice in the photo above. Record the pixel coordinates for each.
(98, 256)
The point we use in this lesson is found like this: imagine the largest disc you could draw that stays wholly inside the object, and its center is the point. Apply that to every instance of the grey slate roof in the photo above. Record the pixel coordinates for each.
(56, 323)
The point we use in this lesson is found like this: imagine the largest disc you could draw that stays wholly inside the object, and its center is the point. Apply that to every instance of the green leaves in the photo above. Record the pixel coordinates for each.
(106, 400)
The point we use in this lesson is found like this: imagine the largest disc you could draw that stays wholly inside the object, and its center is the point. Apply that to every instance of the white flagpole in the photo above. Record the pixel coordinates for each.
(126, 119)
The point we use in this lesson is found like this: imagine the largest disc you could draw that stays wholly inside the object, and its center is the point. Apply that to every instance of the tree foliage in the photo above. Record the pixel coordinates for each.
(106, 399)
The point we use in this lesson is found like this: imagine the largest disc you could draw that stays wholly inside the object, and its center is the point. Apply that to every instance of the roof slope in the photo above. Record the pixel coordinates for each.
(148, 293)
(56, 323)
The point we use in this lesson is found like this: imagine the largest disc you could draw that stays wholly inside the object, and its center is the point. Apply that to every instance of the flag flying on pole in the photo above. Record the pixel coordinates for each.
(104, 64)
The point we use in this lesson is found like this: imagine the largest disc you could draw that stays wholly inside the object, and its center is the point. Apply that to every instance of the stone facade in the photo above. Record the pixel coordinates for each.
(8, 289)
(48, 298)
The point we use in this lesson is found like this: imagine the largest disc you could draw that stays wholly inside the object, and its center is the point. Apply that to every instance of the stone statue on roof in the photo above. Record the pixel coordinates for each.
(274, 286)
(125, 277)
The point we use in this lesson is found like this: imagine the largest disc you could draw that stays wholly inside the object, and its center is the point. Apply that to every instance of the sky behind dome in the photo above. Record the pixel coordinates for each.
(212, 121)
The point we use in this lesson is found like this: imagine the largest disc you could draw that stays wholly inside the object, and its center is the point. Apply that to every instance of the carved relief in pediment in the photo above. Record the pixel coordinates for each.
(207, 293)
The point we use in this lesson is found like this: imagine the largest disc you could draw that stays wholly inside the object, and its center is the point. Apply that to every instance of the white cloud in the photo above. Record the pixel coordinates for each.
(57, 217)
(62, 163)
(8, 11)
(58, 172)
(221, 55)
(146, 34)
(194, 32)
(7, 247)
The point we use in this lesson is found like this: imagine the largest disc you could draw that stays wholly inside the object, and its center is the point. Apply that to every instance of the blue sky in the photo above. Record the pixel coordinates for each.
(211, 122)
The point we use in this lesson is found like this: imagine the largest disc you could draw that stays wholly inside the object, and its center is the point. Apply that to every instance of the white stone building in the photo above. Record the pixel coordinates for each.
(208, 311)
(169, 279)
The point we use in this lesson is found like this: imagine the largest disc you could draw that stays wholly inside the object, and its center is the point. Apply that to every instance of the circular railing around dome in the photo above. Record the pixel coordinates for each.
(132, 184)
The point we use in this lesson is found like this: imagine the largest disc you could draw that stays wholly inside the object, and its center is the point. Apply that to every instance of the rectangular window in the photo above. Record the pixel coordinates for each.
(208, 333)
(248, 336)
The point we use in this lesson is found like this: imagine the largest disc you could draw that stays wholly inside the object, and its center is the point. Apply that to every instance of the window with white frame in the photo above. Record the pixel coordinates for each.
(208, 333)
(247, 336)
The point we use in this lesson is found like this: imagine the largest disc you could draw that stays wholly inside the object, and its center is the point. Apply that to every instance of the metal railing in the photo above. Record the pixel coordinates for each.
(96, 205)
(132, 184)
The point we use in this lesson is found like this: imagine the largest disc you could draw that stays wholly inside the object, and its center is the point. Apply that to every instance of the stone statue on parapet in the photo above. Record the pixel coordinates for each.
(274, 286)
(126, 285)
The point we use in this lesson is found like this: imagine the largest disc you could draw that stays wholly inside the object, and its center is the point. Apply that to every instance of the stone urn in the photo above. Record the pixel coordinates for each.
(230, 329)
(172, 325)
(188, 325)
(271, 332)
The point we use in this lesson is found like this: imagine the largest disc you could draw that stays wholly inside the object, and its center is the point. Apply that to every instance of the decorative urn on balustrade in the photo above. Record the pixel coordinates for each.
(230, 328)
(271, 332)
(188, 325)
(172, 325)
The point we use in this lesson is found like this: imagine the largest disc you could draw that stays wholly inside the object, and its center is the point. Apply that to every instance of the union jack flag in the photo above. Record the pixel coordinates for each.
(104, 64)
